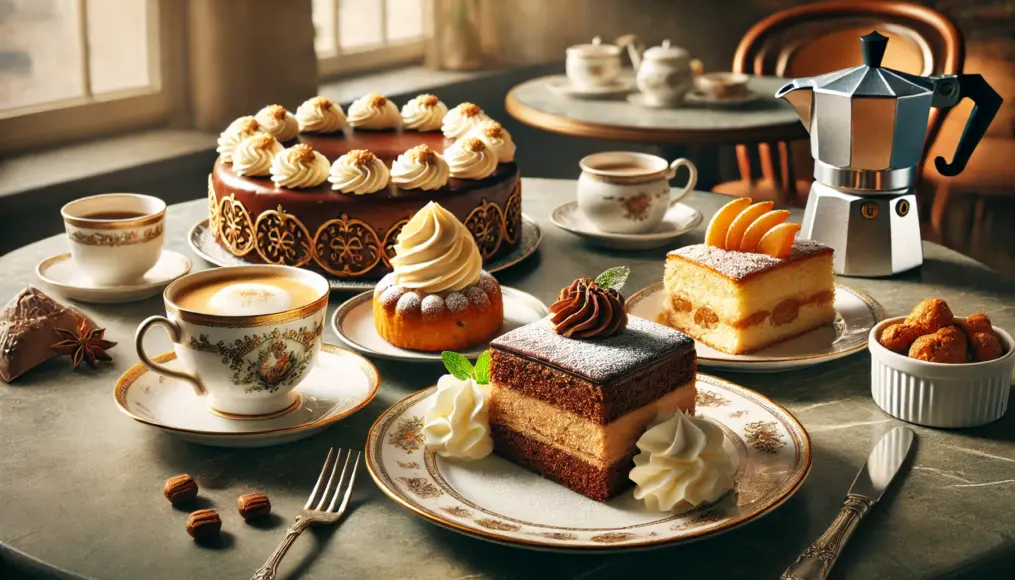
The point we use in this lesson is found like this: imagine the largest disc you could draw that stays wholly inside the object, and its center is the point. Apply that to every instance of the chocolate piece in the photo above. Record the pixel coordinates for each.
(253, 506)
(204, 524)
(180, 489)
(584, 310)
(28, 329)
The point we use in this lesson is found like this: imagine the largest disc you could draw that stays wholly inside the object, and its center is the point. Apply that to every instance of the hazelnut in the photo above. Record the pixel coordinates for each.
(180, 489)
(253, 506)
(204, 524)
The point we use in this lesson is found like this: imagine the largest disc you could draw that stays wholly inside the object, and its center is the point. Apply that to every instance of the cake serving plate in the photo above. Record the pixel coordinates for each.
(353, 322)
(204, 245)
(340, 384)
(679, 219)
(495, 500)
(856, 313)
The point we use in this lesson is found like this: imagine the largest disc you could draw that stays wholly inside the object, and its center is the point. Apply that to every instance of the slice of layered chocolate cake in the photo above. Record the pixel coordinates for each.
(572, 393)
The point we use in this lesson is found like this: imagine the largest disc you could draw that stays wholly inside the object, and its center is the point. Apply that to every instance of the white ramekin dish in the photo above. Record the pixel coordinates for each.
(938, 394)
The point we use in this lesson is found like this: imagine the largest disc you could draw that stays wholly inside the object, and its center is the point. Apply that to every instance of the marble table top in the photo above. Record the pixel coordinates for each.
(81, 484)
(766, 119)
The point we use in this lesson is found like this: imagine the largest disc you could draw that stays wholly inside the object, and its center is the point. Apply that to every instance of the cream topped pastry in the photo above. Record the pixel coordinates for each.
(497, 138)
(320, 115)
(462, 119)
(458, 423)
(420, 168)
(279, 122)
(253, 156)
(424, 113)
(374, 112)
(681, 464)
(237, 131)
(359, 172)
(299, 167)
(435, 252)
(470, 158)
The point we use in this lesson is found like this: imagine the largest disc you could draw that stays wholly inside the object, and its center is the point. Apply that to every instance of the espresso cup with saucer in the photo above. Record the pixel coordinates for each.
(722, 86)
(245, 335)
(594, 65)
(115, 237)
(623, 192)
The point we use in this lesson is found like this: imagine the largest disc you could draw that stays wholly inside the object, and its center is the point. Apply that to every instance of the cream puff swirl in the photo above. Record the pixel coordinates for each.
(374, 112)
(424, 113)
(436, 253)
(360, 172)
(237, 131)
(462, 119)
(279, 122)
(299, 167)
(471, 158)
(497, 138)
(420, 168)
(320, 115)
(253, 156)
(458, 422)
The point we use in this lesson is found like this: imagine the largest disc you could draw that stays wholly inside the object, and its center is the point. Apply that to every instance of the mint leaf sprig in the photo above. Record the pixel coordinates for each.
(614, 278)
(462, 369)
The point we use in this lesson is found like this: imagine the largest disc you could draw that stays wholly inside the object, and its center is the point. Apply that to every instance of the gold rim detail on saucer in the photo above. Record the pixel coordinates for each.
(243, 321)
(115, 239)
(297, 401)
(89, 224)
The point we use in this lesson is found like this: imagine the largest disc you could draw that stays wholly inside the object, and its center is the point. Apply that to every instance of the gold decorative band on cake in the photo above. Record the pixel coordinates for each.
(213, 208)
(347, 247)
(282, 239)
(235, 229)
(784, 312)
(486, 222)
(90, 224)
(513, 215)
(116, 239)
(218, 321)
(390, 240)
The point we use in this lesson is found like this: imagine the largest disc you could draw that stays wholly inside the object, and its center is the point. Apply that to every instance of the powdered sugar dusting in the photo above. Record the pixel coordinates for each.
(385, 283)
(477, 296)
(392, 295)
(739, 265)
(409, 302)
(432, 306)
(598, 360)
(456, 302)
(487, 282)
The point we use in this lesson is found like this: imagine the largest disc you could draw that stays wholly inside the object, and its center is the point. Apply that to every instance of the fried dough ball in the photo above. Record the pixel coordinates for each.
(947, 345)
(899, 337)
(978, 322)
(930, 315)
(983, 342)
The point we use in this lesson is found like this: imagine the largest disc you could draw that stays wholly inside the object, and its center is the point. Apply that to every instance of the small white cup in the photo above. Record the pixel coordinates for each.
(114, 252)
(625, 192)
(593, 65)
(243, 365)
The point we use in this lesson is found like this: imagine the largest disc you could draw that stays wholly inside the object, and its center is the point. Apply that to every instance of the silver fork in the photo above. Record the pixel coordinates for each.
(314, 512)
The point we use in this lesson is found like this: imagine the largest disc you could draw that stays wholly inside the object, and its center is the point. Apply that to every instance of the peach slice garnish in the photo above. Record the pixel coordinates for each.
(760, 227)
(715, 234)
(743, 221)
(778, 242)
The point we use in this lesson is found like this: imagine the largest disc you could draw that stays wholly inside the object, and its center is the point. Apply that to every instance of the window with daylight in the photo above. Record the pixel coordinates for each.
(70, 68)
(358, 35)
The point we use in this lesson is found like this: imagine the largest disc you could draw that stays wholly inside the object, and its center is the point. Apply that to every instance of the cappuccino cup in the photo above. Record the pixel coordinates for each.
(624, 192)
(593, 65)
(245, 335)
(115, 237)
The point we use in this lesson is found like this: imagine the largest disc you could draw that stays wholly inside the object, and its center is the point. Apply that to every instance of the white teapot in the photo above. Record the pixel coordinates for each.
(664, 72)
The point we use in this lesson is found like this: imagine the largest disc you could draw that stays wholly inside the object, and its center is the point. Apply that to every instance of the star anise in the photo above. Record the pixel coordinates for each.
(83, 344)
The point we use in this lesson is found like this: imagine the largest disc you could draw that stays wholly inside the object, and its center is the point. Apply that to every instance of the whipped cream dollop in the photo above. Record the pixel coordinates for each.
(420, 168)
(681, 464)
(279, 122)
(462, 119)
(299, 167)
(424, 113)
(250, 299)
(374, 112)
(470, 158)
(458, 423)
(253, 155)
(496, 138)
(236, 132)
(320, 115)
(435, 252)
(360, 172)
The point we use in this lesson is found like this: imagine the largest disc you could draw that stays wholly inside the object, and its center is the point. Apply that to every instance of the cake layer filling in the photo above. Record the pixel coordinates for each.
(786, 311)
(598, 444)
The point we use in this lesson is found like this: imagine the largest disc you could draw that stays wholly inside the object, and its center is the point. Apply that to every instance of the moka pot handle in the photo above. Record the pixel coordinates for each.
(948, 91)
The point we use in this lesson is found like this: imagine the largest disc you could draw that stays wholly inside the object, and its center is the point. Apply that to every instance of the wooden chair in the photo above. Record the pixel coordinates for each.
(819, 38)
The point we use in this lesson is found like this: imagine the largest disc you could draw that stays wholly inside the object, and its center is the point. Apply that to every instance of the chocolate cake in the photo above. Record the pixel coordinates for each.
(572, 409)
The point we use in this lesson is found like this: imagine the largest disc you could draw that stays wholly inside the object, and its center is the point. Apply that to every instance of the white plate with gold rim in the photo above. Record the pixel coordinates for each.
(340, 384)
(63, 275)
(353, 322)
(679, 220)
(856, 313)
(495, 500)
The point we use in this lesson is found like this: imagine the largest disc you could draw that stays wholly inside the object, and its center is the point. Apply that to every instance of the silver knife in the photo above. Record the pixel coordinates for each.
(816, 561)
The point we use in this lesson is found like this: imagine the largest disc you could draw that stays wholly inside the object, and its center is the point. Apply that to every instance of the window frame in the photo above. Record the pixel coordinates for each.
(339, 63)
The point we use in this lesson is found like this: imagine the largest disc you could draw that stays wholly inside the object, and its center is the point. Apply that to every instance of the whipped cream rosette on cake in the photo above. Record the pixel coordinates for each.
(276, 120)
(299, 167)
(320, 115)
(457, 424)
(359, 172)
(462, 119)
(234, 134)
(374, 112)
(424, 113)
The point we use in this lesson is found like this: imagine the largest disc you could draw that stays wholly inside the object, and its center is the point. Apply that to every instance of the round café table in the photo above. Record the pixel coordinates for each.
(81, 484)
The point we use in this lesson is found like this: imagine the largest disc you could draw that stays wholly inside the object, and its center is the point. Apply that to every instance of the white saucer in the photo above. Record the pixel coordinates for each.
(640, 100)
(353, 322)
(340, 384)
(560, 85)
(698, 98)
(679, 220)
(63, 275)
(856, 313)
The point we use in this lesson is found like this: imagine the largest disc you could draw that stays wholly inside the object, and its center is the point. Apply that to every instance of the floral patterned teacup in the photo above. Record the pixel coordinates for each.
(247, 346)
(115, 237)
(624, 192)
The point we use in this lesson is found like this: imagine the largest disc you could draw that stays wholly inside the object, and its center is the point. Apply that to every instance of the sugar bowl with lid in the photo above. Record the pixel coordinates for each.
(664, 74)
